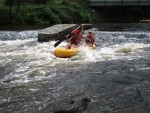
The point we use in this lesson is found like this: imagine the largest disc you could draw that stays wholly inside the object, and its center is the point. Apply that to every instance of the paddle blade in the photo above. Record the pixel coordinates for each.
(58, 42)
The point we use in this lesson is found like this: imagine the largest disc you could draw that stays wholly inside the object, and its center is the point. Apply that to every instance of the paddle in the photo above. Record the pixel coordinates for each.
(58, 42)
(61, 40)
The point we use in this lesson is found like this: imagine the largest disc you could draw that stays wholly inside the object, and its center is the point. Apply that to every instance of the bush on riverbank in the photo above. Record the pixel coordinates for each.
(48, 12)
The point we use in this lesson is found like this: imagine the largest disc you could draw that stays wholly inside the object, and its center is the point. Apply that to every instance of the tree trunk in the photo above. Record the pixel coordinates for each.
(10, 13)
(18, 8)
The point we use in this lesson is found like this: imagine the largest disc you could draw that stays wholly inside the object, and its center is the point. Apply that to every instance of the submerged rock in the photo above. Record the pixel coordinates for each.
(77, 107)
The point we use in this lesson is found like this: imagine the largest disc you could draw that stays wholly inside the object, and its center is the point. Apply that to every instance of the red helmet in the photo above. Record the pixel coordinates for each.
(76, 31)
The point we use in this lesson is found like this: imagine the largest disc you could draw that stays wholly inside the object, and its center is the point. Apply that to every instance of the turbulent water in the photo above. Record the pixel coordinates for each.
(114, 78)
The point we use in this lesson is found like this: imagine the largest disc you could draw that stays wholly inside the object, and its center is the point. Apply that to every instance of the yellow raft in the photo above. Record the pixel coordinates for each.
(93, 46)
(65, 53)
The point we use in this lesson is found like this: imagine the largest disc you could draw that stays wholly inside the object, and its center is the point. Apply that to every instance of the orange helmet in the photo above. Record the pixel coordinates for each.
(76, 31)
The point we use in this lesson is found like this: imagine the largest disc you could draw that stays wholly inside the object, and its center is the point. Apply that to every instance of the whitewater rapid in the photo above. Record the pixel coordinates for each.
(33, 79)
(30, 57)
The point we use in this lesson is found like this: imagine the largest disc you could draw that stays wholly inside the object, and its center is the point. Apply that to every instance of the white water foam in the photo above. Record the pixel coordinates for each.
(14, 35)
(118, 51)
(32, 60)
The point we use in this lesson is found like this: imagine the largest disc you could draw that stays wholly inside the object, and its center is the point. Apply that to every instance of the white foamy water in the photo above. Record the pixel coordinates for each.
(29, 60)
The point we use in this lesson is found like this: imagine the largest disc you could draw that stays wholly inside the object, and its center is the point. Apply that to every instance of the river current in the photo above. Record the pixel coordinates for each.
(114, 78)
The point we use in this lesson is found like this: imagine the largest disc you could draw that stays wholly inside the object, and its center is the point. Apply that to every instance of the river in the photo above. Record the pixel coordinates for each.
(114, 78)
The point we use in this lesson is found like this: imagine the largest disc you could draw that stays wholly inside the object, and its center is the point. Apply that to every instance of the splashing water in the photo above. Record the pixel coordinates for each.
(13, 35)
(30, 57)
(24, 62)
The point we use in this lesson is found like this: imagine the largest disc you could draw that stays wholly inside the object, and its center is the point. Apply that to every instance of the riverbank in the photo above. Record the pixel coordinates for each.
(48, 12)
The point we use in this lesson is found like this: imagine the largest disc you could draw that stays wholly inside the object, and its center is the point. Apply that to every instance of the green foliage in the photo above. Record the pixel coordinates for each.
(9, 2)
(31, 18)
(45, 11)
(65, 2)
(49, 15)
(86, 17)
(4, 16)
(41, 1)
(65, 18)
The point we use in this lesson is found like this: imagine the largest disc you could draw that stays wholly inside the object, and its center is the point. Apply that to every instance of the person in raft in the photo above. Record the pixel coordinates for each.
(90, 39)
(75, 40)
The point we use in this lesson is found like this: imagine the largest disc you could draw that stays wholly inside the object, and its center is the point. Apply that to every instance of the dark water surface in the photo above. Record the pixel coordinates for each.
(114, 78)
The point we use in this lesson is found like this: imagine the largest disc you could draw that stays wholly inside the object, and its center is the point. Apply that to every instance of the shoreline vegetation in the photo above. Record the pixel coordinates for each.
(44, 12)
(33, 13)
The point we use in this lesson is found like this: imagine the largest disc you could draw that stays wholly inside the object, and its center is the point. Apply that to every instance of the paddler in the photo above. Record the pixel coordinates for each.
(75, 40)
(90, 39)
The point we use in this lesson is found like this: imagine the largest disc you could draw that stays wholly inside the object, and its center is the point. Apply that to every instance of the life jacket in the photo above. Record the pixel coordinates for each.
(89, 39)
(75, 40)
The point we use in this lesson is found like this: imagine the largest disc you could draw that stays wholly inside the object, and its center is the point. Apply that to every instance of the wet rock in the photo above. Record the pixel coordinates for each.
(138, 95)
(78, 106)
(58, 31)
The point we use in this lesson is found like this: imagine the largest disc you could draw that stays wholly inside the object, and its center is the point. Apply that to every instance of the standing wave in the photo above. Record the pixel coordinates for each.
(14, 35)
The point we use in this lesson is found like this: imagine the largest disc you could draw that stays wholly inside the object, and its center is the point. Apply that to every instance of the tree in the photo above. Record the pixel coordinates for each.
(41, 1)
(9, 3)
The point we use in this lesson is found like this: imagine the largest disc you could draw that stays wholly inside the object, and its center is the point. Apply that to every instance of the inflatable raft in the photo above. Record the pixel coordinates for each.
(65, 53)
(93, 46)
